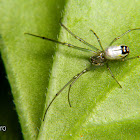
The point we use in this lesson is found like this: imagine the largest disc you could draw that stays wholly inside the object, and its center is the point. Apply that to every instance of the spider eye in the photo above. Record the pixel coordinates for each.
(125, 50)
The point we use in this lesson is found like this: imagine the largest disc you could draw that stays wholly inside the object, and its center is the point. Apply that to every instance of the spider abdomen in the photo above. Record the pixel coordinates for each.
(116, 52)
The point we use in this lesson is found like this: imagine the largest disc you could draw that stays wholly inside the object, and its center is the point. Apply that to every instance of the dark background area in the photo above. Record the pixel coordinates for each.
(8, 115)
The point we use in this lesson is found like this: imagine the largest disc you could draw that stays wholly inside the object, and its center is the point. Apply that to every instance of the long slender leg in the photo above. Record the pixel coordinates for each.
(99, 41)
(75, 78)
(56, 96)
(125, 59)
(80, 39)
(70, 82)
(63, 43)
(122, 35)
(112, 75)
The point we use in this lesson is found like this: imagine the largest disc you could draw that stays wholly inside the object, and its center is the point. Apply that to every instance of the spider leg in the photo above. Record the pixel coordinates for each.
(115, 39)
(80, 39)
(134, 57)
(62, 43)
(71, 82)
(99, 41)
(112, 75)
(74, 80)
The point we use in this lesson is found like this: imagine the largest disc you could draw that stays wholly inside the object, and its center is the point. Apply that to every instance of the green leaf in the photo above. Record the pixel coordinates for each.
(100, 109)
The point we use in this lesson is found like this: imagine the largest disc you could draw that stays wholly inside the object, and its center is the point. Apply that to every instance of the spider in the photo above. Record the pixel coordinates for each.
(100, 57)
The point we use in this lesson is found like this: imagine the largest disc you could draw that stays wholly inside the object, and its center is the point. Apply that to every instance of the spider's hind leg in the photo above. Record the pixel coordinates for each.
(112, 75)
